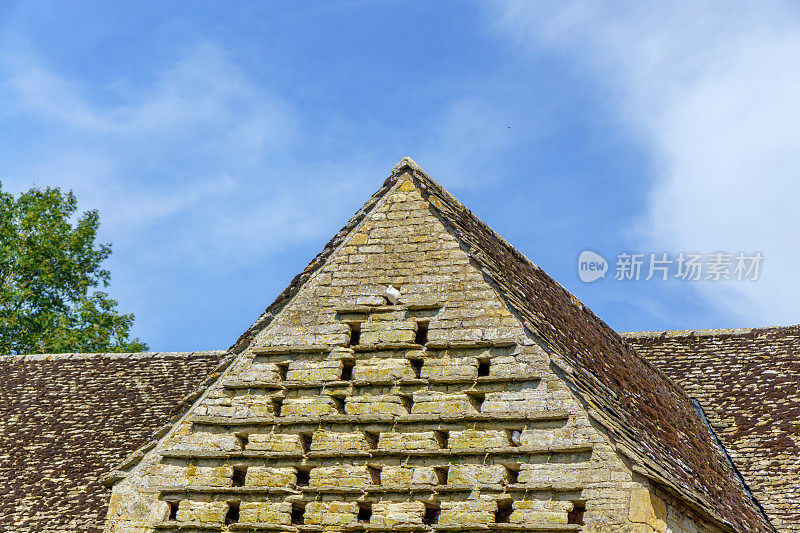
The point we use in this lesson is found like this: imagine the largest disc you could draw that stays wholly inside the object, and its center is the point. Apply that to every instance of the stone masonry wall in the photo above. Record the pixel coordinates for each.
(346, 412)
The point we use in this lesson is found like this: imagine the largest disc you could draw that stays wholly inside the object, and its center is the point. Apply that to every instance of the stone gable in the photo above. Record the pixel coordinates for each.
(438, 412)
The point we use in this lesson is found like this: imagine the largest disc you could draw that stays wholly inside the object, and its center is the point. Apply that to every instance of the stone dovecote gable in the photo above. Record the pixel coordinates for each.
(441, 412)
(747, 383)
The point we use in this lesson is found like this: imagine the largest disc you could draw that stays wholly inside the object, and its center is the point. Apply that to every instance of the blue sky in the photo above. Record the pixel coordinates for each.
(225, 143)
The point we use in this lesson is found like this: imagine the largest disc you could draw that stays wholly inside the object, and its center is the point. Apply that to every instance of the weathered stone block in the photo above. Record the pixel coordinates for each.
(509, 365)
(387, 404)
(441, 403)
(532, 511)
(207, 512)
(203, 441)
(265, 476)
(387, 331)
(647, 508)
(266, 512)
(408, 475)
(331, 440)
(309, 406)
(389, 514)
(328, 370)
(383, 369)
(394, 315)
(466, 474)
(394, 440)
(274, 442)
(470, 439)
(256, 372)
(251, 406)
(340, 475)
(215, 407)
(450, 367)
(468, 513)
(544, 473)
(331, 513)
(213, 476)
(523, 401)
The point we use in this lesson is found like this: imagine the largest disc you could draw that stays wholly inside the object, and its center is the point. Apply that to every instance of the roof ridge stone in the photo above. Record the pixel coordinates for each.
(110, 355)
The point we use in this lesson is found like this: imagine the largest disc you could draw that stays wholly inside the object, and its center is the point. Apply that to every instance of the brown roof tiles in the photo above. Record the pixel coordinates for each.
(66, 419)
(748, 383)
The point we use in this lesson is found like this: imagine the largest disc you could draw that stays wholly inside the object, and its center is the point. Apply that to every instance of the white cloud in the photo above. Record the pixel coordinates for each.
(142, 153)
(710, 88)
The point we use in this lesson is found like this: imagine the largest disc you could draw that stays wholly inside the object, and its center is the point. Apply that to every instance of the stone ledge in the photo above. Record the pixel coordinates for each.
(258, 526)
(225, 493)
(454, 345)
(386, 346)
(188, 527)
(417, 418)
(293, 349)
(300, 385)
(412, 306)
(510, 454)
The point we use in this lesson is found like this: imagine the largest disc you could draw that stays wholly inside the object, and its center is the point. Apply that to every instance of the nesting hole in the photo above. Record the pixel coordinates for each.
(407, 402)
(173, 509)
(441, 437)
(374, 474)
(422, 333)
(355, 333)
(484, 365)
(298, 512)
(283, 370)
(575, 516)
(277, 406)
(239, 475)
(372, 439)
(512, 474)
(441, 474)
(347, 369)
(338, 402)
(243, 440)
(416, 366)
(305, 441)
(431, 515)
(476, 399)
(514, 437)
(364, 512)
(503, 513)
(232, 516)
(303, 476)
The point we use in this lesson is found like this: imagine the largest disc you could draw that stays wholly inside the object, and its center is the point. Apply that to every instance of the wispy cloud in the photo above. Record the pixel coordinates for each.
(143, 153)
(710, 89)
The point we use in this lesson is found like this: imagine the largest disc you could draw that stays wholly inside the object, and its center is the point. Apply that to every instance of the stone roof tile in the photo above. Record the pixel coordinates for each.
(746, 380)
(65, 419)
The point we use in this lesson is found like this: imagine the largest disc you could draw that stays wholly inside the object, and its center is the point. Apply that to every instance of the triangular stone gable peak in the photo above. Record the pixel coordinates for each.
(347, 412)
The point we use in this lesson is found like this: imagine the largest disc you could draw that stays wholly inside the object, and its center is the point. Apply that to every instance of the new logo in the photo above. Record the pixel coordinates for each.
(591, 266)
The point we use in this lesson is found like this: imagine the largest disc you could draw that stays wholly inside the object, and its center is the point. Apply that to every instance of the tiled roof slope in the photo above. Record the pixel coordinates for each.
(748, 383)
(644, 410)
(66, 419)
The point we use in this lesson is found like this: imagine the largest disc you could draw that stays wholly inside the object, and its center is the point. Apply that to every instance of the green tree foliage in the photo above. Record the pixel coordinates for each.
(49, 274)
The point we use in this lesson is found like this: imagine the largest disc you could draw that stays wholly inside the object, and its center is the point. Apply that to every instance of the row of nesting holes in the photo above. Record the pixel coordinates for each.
(441, 436)
(484, 366)
(501, 516)
(303, 474)
(475, 398)
(421, 336)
